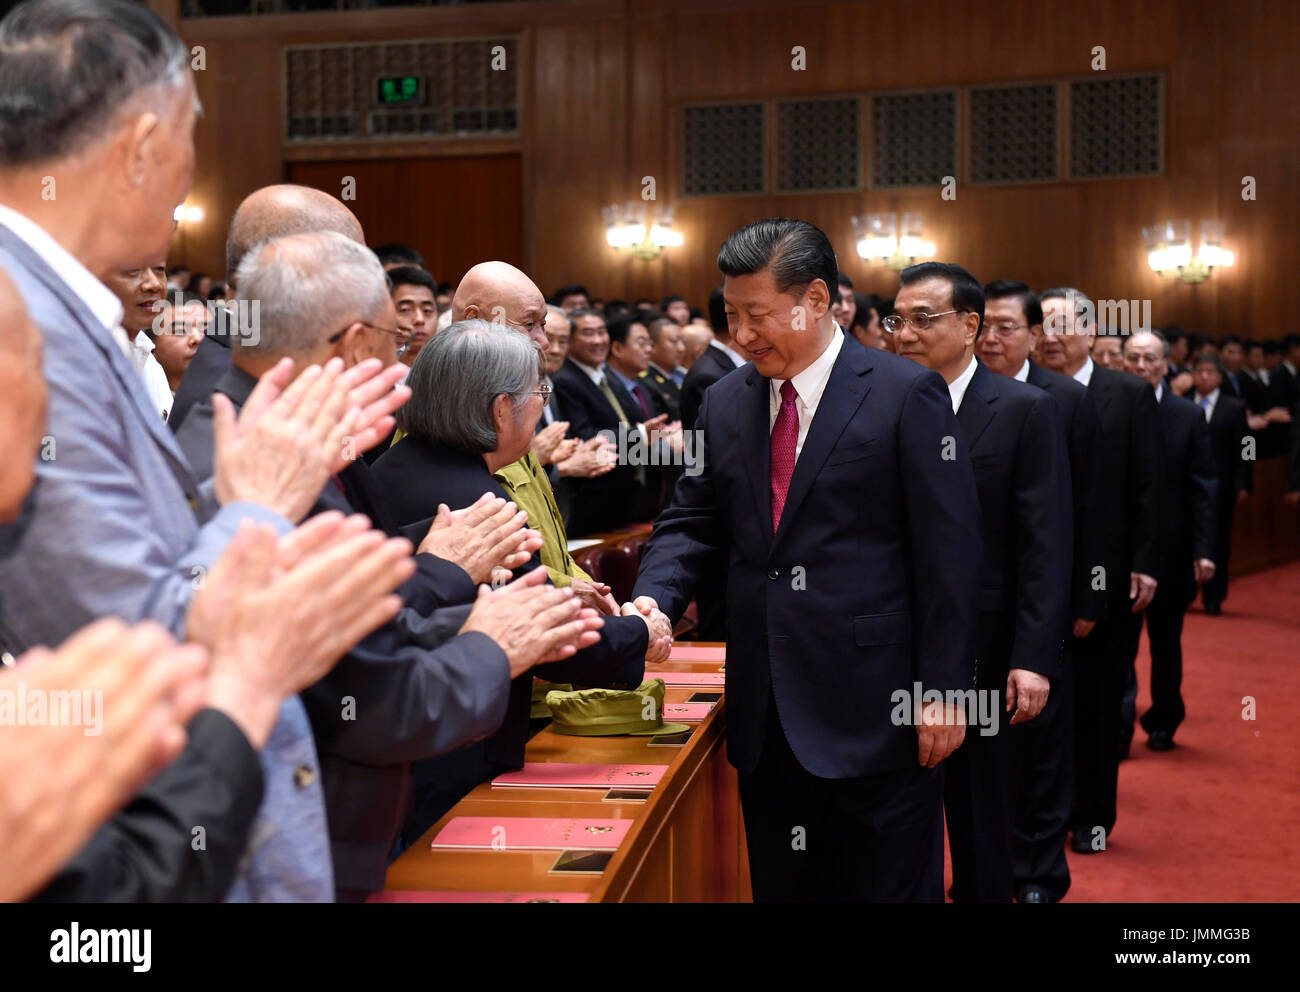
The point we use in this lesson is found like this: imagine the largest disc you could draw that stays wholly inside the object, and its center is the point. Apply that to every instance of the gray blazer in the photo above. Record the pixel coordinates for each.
(120, 526)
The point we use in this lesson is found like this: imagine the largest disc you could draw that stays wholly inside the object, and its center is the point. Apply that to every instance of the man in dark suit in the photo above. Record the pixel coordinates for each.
(1042, 750)
(1186, 536)
(836, 482)
(717, 360)
(598, 404)
(1127, 558)
(1018, 455)
(1226, 416)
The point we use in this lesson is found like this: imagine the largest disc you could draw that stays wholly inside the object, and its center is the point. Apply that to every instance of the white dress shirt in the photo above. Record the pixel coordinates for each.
(101, 300)
(957, 388)
(140, 351)
(809, 386)
(1208, 402)
(1084, 375)
(1023, 374)
(1160, 391)
(736, 357)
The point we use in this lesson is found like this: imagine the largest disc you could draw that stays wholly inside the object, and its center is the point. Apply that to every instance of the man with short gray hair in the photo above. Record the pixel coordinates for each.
(1127, 497)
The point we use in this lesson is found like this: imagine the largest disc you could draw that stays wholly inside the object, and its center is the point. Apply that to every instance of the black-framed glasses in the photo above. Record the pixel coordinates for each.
(921, 321)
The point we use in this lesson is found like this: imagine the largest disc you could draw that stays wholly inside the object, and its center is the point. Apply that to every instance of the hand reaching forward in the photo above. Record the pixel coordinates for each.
(277, 614)
(660, 644)
(940, 732)
(549, 444)
(63, 780)
(533, 622)
(487, 535)
(595, 595)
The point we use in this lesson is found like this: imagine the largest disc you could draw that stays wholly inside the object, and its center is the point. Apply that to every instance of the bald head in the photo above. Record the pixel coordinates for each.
(499, 292)
(22, 400)
(277, 211)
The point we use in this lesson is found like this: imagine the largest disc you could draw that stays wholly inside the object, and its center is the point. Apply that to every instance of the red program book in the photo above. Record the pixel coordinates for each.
(530, 833)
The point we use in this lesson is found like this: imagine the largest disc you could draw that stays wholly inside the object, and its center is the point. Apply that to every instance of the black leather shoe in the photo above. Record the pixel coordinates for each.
(1160, 740)
(1032, 893)
(1081, 842)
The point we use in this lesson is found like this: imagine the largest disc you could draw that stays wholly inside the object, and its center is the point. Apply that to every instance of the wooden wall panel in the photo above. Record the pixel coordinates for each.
(603, 81)
(454, 211)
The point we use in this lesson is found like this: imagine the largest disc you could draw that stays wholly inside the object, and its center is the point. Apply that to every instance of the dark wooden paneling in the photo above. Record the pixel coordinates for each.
(454, 211)
(602, 81)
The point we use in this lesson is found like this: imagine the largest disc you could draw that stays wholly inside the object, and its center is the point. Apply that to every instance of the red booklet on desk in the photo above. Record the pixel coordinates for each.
(689, 652)
(530, 833)
(562, 775)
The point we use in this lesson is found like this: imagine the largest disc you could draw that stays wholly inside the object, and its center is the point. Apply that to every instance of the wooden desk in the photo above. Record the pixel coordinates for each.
(686, 843)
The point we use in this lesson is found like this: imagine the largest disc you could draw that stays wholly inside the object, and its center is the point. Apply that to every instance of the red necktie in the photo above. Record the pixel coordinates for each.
(785, 439)
(640, 398)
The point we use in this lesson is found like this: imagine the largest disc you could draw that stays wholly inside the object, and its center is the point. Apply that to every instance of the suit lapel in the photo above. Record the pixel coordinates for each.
(977, 406)
(130, 381)
(845, 390)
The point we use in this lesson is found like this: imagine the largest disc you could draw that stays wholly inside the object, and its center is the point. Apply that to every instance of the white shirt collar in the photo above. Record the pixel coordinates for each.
(1209, 399)
(103, 304)
(731, 352)
(1023, 374)
(1160, 391)
(1290, 368)
(1084, 375)
(811, 382)
(593, 373)
(957, 388)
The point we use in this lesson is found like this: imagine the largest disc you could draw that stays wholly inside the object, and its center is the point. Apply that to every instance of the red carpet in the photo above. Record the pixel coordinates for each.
(1216, 819)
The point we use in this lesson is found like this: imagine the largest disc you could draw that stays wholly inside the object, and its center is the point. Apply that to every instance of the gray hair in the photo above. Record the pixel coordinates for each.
(456, 379)
(1164, 341)
(68, 68)
(307, 287)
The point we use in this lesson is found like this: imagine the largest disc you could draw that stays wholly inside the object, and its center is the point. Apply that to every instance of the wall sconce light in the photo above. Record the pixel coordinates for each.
(878, 240)
(191, 214)
(633, 229)
(1169, 250)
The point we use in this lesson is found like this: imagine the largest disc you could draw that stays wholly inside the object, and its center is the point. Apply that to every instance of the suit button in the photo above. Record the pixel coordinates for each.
(774, 574)
(303, 776)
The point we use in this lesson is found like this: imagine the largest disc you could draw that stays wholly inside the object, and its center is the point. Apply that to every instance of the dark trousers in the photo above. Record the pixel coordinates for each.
(1214, 592)
(977, 801)
(1042, 775)
(1165, 632)
(878, 838)
(1101, 664)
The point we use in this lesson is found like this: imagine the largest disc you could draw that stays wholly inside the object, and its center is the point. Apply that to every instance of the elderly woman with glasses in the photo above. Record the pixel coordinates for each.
(475, 401)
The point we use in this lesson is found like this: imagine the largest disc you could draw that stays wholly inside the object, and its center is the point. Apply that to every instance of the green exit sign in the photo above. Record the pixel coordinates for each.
(400, 89)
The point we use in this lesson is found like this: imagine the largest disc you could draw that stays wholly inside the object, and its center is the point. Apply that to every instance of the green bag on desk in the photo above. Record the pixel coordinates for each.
(609, 712)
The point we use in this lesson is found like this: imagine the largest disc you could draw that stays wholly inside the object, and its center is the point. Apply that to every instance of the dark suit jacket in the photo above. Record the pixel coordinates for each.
(1293, 453)
(1021, 471)
(1081, 429)
(415, 477)
(417, 688)
(1227, 429)
(869, 585)
(145, 853)
(1187, 507)
(209, 364)
(1254, 392)
(614, 499)
(1129, 482)
(712, 365)
(668, 392)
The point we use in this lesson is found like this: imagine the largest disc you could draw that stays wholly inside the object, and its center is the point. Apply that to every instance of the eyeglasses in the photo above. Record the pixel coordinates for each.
(403, 337)
(921, 321)
(544, 391)
(1004, 330)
